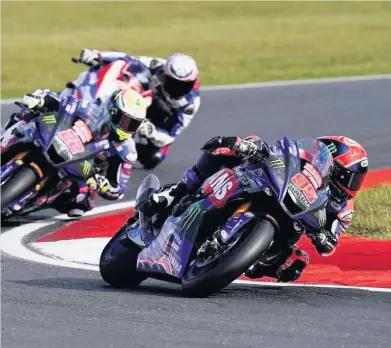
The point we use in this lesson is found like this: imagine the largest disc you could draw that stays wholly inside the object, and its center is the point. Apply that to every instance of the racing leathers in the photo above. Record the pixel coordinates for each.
(113, 166)
(167, 117)
(289, 262)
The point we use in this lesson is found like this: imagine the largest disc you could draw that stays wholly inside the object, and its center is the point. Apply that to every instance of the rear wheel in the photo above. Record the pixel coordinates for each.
(203, 278)
(24, 179)
(118, 261)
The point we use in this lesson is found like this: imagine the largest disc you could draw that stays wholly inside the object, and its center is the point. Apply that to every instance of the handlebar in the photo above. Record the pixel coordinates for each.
(75, 60)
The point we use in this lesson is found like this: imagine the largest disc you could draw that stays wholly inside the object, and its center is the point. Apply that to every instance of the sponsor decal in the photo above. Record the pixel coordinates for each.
(71, 108)
(62, 149)
(249, 214)
(293, 149)
(302, 183)
(335, 205)
(190, 217)
(223, 185)
(298, 195)
(322, 217)
(364, 163)
(223, 151)
(86, 168)
(72, 141)
(347, 217)
(332, 148)
(277, 164)
(103, 143)
(49, 119)
(174, 263)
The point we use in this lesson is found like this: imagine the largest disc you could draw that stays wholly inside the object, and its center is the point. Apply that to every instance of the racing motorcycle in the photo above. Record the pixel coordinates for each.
(236, 218)
(41, 158)
(97, 84)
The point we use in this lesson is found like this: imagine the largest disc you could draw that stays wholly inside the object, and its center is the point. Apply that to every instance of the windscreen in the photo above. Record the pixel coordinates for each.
(317, 154)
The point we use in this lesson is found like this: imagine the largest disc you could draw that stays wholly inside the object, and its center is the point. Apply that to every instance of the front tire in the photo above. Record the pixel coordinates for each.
(118, 261)
(24, 179)
(255, 239)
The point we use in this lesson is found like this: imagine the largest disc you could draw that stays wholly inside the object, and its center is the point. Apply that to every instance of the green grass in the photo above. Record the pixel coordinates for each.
(233, 42)
(372, 214)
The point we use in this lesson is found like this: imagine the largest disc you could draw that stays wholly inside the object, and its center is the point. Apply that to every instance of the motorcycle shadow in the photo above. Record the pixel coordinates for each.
(98, 285)
(153, 288)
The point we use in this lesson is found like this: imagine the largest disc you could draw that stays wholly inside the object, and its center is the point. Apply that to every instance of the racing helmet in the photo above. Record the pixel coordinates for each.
(127, 110)
(350, 166)
(179, 75)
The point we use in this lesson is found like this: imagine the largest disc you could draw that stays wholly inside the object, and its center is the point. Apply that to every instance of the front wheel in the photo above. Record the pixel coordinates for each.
(24, 179)
(118, 261)
(201, 280)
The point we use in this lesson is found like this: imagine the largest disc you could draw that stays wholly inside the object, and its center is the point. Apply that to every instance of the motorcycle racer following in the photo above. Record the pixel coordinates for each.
(116, 120)
(175, 99)
(348, 173)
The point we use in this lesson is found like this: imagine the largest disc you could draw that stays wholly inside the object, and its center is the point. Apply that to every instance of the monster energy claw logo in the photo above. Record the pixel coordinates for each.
(86, 167)
(322, 217)
(191, 216)
(277, 164)
(49, 119)
(332, 148)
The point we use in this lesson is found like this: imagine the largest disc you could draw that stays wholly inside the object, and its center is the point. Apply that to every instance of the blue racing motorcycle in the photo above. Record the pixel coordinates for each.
(40, 159)
(237, 217)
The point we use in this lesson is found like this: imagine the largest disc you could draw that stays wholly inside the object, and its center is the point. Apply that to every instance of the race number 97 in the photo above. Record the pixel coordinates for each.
(300, 181)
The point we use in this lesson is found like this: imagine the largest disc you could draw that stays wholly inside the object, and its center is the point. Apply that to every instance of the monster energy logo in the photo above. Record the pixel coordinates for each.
(332, 148)
(322, 217)
(49, 119)
(191, 216)
(277, 164)
(86, 167)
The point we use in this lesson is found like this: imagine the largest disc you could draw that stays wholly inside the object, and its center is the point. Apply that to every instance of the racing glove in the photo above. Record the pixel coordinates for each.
(324, 242)
(90, 57)
(244, 148)
(102, 185)
(147, 129)
(41, 100)
(36, 100)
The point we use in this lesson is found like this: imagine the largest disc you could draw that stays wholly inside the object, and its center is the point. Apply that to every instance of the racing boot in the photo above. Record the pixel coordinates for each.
(76, 204)
(286, 267)
(293, 267)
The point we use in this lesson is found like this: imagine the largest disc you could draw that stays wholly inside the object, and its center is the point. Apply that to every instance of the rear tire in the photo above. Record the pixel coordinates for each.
(118, 261)
(255, 240)
(24, 179)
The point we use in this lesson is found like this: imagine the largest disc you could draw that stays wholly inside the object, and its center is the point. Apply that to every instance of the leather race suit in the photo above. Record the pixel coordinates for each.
(289, 264)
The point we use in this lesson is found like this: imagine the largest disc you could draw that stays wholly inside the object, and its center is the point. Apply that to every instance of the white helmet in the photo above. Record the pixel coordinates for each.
(180, 73)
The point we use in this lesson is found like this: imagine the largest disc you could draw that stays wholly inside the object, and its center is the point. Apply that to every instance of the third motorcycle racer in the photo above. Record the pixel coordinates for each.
(175, 99)
(349, 171)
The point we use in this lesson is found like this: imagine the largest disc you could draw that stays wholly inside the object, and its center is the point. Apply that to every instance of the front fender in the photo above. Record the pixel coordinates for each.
(234, 224)
(9, 139)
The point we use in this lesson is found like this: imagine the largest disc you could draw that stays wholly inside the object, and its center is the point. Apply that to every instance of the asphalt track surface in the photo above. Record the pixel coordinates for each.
(45, 306)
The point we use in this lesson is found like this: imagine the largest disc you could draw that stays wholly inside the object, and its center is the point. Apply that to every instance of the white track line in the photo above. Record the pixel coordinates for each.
(274, 84)
(11, 244)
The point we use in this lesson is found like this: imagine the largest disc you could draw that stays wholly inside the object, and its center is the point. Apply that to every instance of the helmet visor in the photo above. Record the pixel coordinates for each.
(176, 88)
(348, 179)
(124, 121)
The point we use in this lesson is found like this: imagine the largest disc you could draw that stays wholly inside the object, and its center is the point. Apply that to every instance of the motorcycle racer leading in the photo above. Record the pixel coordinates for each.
(116, 120)
(175, 99)
(349, 170)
